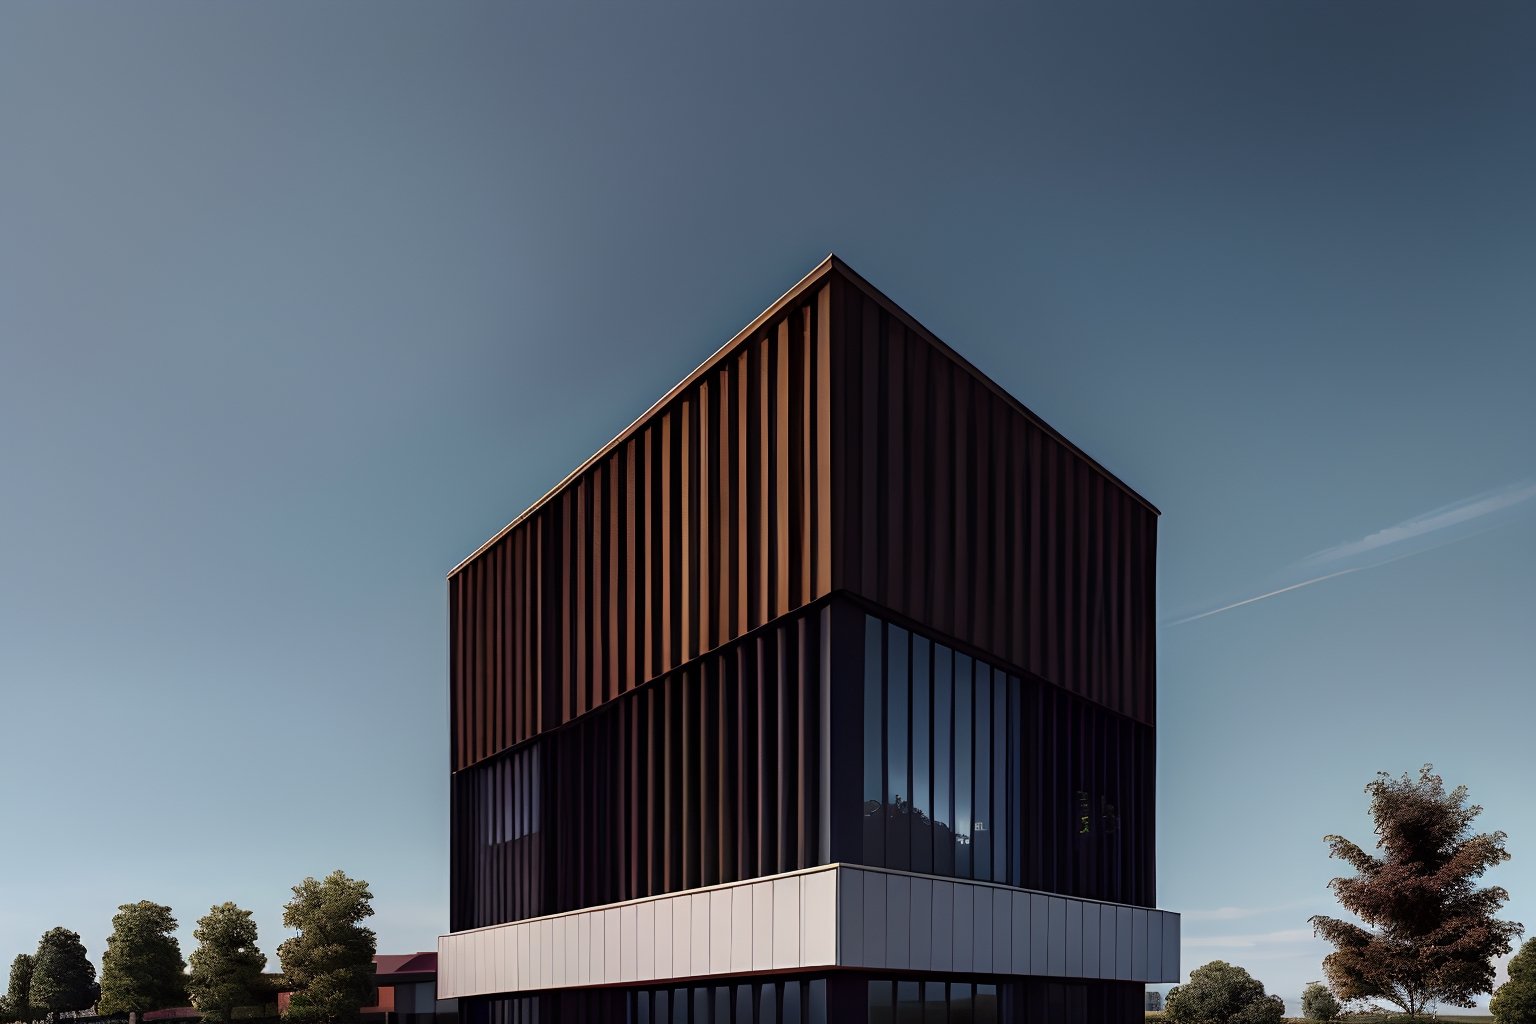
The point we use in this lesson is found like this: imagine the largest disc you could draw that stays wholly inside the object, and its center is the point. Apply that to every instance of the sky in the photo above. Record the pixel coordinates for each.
(300, 303)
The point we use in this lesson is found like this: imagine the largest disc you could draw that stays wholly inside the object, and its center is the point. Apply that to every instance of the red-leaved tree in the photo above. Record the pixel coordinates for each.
(1432, 933)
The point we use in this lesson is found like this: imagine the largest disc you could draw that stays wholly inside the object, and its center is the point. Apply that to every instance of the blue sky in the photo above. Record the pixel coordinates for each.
(300, 303)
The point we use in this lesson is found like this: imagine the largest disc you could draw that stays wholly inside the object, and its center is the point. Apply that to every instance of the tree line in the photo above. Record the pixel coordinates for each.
(327, 968)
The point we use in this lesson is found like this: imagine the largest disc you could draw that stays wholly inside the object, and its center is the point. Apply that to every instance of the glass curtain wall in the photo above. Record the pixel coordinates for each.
(974, 772)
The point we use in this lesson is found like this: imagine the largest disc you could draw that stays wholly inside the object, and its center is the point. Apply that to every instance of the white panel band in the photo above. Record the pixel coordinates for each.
(840, 915)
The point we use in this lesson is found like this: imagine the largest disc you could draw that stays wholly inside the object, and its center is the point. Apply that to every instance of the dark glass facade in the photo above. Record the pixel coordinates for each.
(974, 771)
(837, 999)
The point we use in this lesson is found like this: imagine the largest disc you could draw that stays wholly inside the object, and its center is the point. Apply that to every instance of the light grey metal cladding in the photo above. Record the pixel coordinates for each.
(840, 915)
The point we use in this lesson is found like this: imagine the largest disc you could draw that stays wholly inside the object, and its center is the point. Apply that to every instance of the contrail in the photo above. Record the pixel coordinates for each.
(1466, 510)
(1438, 520)
(1272, 593)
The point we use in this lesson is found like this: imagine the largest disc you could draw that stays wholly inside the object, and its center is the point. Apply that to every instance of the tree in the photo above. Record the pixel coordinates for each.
(225, 968)
(1220, 993)
(142, 967)
(17, 1004)
(1435, 934)
(1515, 1001)
(62, 977)
(329, 964)
(1317, 1003)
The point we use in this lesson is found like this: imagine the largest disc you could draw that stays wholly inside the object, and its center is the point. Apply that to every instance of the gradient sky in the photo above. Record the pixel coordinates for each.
(300, 303)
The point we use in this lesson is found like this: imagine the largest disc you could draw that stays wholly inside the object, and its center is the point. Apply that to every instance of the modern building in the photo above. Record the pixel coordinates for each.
(824, 692)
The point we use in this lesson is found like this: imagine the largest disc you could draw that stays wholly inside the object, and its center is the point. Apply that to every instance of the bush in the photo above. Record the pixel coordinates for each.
(1220, 993)
(1317, 1003)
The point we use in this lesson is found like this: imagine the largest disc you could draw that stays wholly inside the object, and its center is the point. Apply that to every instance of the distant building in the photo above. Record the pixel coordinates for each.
(1154, 1000)
(407, 994)
(824, 693)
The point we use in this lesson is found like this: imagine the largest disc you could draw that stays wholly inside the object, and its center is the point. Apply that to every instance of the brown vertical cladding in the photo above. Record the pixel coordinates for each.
(714, 504)
(959, 509)
(834, 444)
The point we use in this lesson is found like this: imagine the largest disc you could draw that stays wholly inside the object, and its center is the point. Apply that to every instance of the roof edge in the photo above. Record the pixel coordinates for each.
(813, 278)
(829, 265)
(854, 278)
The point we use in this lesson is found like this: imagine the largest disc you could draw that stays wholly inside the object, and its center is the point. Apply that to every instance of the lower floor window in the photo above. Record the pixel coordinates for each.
(841, 998)
(932, 1002)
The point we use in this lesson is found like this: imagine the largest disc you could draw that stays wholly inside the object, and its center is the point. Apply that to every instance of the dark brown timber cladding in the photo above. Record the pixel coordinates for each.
(835, 445)
(704, 521)
(959, 510)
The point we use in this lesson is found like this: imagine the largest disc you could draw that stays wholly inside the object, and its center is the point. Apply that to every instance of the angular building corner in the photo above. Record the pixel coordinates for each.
(824, 692)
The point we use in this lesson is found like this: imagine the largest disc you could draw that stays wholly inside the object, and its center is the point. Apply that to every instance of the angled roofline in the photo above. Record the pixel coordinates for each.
(832, 264)
(854, 278)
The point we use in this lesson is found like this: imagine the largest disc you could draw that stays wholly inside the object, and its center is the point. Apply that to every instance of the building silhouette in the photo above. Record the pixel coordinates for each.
(824, 692)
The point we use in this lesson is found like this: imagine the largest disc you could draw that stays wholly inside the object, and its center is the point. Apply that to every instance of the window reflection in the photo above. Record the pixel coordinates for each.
(964, 733)
(971, 772)
(898, 843)
(981, 834)
(874, 747)
(921, 823)
(943, 763)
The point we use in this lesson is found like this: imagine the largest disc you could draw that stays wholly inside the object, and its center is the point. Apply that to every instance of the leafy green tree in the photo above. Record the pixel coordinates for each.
(226, 967)
(142, 967)
(17, 1004)
(63, 979)
(1515, 1001)
(1317, 1003)
(1435, 933)
(329, 964)
(1221, 993)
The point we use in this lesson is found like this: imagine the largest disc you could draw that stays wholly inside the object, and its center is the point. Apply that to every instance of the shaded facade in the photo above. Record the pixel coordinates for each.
(837, 637)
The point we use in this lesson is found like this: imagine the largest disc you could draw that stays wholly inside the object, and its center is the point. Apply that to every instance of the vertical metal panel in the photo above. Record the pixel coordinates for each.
(720, 931)
(1019, 921)
(943, 925)
(786, 923)
(1171, 964)
(850, 910)
(819, 902)
(762, 926)
(741, 933)
(1125, 919)
(1074, 943)
(981, 928)
(964, 924)
(920, 932)
(1039, 933)
(875, 932)
(898, 922)
(797, 921)
(1109, 924)
(992, 493)
(1091, 918)
(1056, 943)
(1002, 930)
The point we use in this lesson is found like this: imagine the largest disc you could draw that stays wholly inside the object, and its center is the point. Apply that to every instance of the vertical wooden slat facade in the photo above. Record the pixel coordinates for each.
(722, 527)
(658, 672)
(834, 445)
